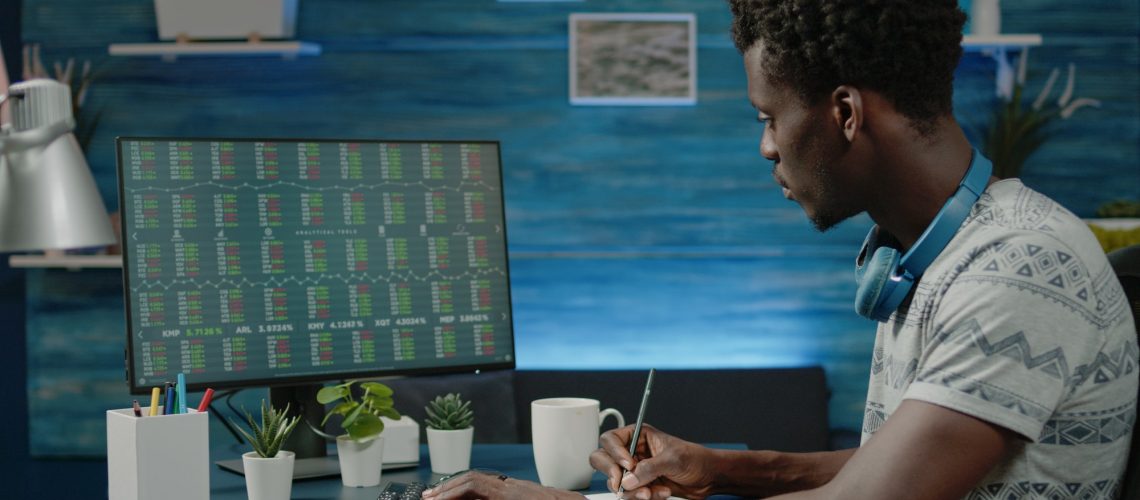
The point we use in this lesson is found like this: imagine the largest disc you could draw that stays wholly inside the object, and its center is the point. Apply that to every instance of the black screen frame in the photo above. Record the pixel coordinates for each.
(309, 378)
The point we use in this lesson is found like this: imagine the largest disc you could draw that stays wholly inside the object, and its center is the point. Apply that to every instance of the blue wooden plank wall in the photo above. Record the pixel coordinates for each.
(639, 236)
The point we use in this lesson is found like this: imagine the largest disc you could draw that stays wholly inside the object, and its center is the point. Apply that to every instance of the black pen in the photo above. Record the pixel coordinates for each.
(640, 419)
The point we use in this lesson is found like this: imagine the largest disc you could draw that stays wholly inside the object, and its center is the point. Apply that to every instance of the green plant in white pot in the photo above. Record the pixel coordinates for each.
(268, 469)
(360, 450)
(1016, 129)
(449, 433)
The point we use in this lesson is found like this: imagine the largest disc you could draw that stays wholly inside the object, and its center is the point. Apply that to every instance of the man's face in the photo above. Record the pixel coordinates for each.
(806, 145)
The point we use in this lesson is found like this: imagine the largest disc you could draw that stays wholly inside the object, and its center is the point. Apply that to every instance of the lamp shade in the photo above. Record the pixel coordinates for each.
(48, 199)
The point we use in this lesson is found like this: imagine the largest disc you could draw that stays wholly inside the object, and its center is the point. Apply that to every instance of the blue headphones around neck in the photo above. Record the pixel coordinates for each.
(884, 277)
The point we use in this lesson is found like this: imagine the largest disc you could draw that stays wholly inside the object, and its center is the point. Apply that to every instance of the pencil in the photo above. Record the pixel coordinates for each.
(154, 393)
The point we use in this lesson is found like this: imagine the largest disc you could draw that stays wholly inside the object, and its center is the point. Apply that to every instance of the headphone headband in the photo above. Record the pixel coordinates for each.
(884, 278)
(954, 211)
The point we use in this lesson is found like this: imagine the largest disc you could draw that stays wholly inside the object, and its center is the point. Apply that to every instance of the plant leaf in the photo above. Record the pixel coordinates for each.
(332, 393)
(376, 401)
(389, 412)
(340, 409)
(364, 426)
(350, 419)
(377, 389)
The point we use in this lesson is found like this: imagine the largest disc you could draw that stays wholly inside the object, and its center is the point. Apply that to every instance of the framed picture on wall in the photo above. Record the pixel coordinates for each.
(633, 59)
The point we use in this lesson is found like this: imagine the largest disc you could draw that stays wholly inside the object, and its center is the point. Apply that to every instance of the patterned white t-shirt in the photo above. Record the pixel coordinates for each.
(1020, 322)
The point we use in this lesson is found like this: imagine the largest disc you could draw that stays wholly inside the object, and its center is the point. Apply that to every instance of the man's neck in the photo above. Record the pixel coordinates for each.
(918, 175)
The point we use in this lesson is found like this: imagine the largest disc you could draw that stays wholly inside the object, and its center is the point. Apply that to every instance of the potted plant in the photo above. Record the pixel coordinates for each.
(268, 468)
(449, 433)
(360, 450)
(1117, 224)
(1016, 130)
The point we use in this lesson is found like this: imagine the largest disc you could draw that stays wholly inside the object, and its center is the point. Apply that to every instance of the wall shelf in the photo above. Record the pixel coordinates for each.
(173, 50)
(66, 261)
(998, 47)
(975, 43)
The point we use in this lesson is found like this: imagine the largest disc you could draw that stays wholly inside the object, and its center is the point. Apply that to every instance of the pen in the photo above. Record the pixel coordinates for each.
(168, 400)
(640, 420)
(205, 400)
(154, 395)
(181, 388)
(137, 408)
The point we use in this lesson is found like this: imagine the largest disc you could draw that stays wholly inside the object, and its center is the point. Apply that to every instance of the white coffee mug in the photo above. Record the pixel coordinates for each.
(565, 432)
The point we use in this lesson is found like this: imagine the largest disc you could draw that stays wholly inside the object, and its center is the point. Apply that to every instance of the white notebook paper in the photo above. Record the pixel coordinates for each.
(611, 496)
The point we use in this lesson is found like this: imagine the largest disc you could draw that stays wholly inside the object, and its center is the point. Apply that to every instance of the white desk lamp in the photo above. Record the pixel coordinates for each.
(48, 199)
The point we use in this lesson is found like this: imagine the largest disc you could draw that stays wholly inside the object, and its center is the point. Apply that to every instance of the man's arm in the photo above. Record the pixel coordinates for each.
(922, 451)
(767, 473)
(672, 466)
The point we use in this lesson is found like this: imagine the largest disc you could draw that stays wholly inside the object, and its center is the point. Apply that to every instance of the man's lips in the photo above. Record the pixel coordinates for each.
(783, 186)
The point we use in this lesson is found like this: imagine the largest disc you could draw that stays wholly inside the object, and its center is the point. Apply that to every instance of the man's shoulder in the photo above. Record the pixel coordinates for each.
(1025, 227)
(1018, 240)
(1011, 205)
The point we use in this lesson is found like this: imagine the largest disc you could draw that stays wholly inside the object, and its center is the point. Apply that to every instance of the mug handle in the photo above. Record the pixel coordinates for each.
(608, 412)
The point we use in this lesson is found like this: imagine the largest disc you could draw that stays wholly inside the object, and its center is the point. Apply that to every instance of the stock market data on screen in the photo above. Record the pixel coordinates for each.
(251, 261)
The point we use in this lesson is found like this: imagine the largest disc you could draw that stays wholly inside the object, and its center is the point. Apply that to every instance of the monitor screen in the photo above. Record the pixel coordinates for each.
(251, 262)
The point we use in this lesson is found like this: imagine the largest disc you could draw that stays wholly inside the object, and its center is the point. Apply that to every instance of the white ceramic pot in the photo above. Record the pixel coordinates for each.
(360, 461)
(225, 19)
(450, 451)
(985, 17)
(268, 478)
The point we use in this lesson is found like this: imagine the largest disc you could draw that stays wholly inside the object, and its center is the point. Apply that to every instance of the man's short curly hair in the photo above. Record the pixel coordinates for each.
(905, 50)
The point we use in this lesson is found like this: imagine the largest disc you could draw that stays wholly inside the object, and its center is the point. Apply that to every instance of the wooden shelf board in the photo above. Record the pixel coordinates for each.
(67, 261)
(284, 48)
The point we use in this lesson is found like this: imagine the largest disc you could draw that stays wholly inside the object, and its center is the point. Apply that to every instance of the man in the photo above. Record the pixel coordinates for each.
(1008, 369)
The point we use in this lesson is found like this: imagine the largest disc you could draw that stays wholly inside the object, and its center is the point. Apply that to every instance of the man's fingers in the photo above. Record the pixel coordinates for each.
(457, 487)
(604, 463)
(660, 492)
(616, 444)
(645, 472)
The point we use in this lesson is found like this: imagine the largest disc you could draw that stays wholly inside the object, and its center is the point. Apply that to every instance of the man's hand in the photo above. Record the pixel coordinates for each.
(480, 485)
(665, 465)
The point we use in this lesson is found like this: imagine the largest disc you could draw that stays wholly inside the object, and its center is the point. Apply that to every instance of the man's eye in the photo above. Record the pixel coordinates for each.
(764, 120)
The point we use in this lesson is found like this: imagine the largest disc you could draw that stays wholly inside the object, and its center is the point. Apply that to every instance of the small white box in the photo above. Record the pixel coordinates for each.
(225, 19)
(401, 440)
(166, 456)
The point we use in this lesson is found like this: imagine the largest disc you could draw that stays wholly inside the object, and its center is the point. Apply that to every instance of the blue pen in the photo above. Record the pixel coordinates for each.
(181, 393)
(168, 400)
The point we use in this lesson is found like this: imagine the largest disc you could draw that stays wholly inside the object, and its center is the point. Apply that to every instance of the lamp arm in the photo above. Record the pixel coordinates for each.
(18, 141)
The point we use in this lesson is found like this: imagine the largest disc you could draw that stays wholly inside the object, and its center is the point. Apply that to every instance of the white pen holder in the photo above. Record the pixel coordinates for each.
(165, 456)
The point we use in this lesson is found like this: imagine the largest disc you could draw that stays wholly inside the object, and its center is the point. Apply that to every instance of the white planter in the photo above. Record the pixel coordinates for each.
(450, 451)
(225, 19)
(360, 461)
(985, 17)
(268, 478)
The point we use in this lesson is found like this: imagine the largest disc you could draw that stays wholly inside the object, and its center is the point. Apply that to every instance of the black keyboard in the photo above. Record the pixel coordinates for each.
(402, 491)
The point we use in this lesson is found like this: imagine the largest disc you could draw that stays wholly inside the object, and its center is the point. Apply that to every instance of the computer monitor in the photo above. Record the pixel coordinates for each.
(286, 263)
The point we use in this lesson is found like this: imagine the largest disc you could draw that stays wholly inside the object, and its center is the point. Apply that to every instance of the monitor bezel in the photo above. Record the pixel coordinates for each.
(318, 378)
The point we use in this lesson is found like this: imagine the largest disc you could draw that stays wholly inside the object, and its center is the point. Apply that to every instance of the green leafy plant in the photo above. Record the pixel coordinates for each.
(274, 429)
(1016, 130)
(361, 416)
(449, 413)
(1113, 238)
(1119, 208)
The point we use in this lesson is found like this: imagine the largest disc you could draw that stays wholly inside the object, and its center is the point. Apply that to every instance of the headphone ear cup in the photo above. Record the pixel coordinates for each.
(872, 273)
(876, 272)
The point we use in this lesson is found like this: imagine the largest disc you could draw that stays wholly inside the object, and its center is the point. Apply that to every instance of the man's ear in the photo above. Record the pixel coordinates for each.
(847, 110)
